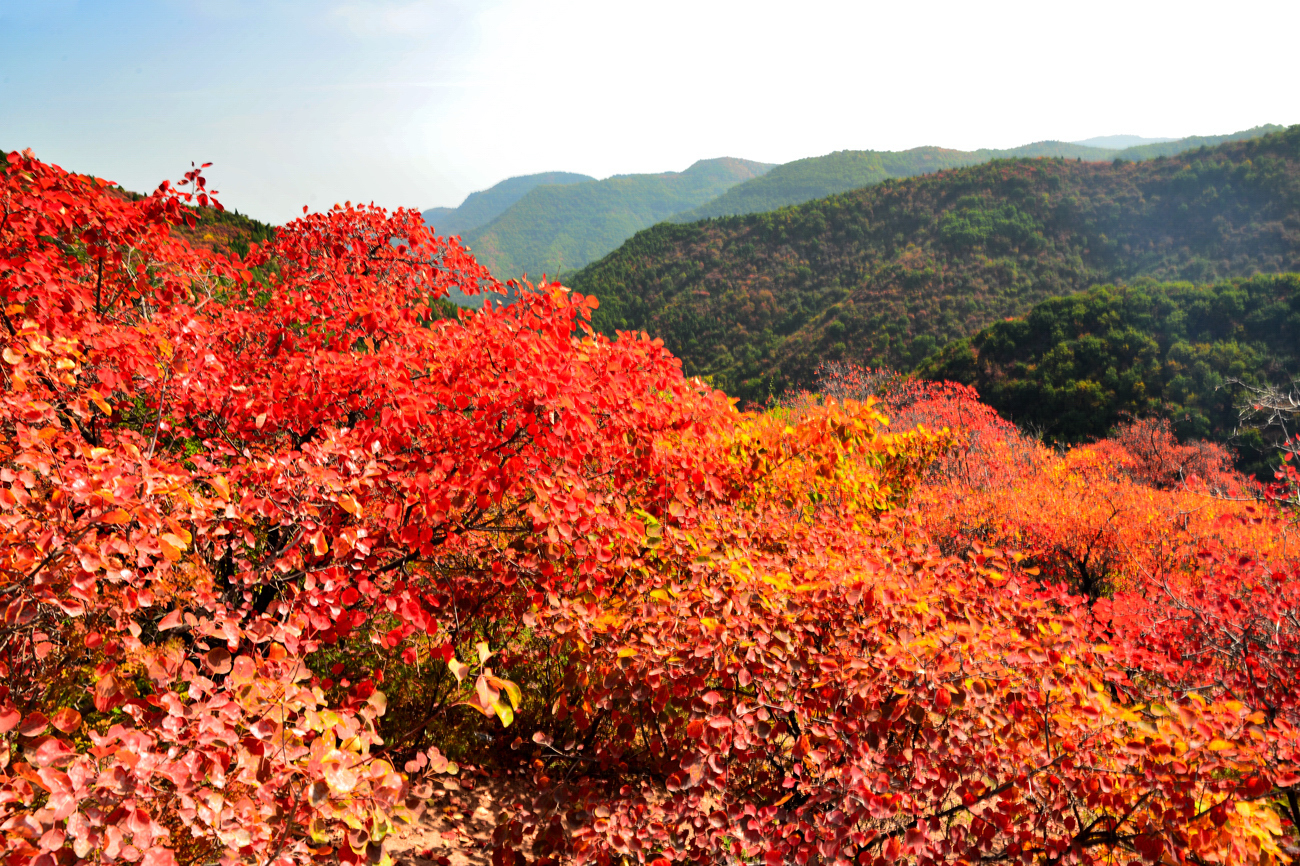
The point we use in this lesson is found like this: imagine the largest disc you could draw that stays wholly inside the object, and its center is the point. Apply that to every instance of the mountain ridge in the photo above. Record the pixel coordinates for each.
(819, 176)
(553, 228)
(887, 274)
(483, 206)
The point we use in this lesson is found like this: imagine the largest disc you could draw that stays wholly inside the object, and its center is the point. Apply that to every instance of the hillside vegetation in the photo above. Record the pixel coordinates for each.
(480, 208)
(1076, 366)
(819, 176)
(888, 274)
(559, 228)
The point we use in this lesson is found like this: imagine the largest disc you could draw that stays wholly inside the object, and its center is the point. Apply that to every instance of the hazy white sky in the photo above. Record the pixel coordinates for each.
(419, 102)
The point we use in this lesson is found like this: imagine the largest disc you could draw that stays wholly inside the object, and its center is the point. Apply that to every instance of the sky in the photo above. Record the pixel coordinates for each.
(417, 103)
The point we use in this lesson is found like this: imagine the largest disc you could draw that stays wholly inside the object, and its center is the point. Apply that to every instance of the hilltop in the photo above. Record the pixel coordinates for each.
(819, 176)
(480, 208)
(554, 228)
(888, 274)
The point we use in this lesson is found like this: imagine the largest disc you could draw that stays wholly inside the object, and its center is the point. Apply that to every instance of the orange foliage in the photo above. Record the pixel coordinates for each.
(1108, 516)
(225, 483)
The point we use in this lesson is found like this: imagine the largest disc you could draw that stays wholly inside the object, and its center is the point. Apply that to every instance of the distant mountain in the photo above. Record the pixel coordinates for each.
(1170, 148)
(889, 273)
(554, 228)
(820, 176)
(1119, 142)
(480, 208)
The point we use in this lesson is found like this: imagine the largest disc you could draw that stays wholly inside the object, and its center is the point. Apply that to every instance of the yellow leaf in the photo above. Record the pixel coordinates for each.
(221, 485)
(1102, 648)
(626, 652)
(504, 713)
(11, 356)
(1218, 745)
(350, 504)
(512, 691)
(660, 594)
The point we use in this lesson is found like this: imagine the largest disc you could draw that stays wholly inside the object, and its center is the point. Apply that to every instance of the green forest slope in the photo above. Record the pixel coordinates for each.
(819, 176)
(1075, 366)
(887, 274)
(480, 208)
(559, 228)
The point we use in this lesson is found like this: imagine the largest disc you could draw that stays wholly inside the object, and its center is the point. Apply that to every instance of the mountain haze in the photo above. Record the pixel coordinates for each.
(889, 273)
(1119, 142)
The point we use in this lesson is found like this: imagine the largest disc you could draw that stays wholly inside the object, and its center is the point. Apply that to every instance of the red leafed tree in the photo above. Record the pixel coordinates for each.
(213, 469)
(275, 538)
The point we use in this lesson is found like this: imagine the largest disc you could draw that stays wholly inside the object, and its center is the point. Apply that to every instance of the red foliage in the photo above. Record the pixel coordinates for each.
(238, 499)
(1147, 451)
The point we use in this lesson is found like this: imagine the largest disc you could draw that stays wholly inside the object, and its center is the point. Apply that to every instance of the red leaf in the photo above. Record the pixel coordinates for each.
(34, 725)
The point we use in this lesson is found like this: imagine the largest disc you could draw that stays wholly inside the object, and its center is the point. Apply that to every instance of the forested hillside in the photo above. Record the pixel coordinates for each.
(890, 273)
(819, 176)
(1078, 365)
(480, 208)
(558, 228)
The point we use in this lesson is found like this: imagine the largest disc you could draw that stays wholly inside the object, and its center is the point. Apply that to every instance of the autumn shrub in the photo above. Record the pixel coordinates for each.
(282, 543)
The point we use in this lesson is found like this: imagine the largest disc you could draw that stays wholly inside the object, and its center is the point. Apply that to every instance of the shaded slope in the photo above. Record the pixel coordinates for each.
(559, 228)
(889, 273)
